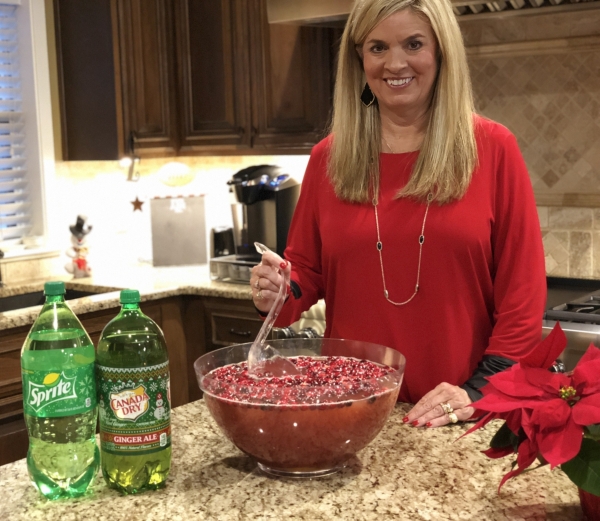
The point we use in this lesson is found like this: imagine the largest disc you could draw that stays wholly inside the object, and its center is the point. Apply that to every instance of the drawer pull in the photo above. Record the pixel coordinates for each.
(240, 333)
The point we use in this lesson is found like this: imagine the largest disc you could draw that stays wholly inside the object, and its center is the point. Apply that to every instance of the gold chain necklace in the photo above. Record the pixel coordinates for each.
(380, 247)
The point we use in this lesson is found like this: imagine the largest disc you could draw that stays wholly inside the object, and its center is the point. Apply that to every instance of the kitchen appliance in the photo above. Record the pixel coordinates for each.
(334, 13)
(264, 202)
(579, 317)
(221, 242)
(178, 231)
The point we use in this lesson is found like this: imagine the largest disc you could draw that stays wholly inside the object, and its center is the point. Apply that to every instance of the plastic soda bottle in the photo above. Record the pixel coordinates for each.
(59, 400)
(132, 375)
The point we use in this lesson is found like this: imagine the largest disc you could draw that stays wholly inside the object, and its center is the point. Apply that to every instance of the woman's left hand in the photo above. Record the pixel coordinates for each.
(443, 405)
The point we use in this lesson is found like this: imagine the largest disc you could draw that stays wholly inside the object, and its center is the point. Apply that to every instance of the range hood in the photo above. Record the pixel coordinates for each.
(334, 13)
(309, 12)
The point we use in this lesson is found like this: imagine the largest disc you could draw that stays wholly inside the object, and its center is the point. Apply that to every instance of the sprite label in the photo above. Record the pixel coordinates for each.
(58, 382)
(135, 410)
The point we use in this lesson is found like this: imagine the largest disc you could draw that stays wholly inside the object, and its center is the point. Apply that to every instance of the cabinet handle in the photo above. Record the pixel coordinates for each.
(240, 333)
(253, 133)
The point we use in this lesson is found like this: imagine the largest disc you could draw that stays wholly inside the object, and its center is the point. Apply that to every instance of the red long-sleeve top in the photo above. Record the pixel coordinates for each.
(482, 283)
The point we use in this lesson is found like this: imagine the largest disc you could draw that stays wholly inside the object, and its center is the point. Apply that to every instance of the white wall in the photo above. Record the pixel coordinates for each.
(100, 191)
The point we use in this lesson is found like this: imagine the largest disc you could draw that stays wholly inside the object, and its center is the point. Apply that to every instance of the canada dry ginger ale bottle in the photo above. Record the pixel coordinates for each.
(59, 400)
(132, 375)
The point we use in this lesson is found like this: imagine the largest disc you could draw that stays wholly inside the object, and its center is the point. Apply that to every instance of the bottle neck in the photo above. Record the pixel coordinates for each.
(52, 299)
(131, 307)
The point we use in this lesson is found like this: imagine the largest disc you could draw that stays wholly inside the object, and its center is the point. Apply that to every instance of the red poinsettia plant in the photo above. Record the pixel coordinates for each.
(550, 416)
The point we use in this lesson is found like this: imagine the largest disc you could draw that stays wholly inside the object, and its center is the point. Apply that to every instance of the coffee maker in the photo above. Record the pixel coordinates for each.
(264, 200)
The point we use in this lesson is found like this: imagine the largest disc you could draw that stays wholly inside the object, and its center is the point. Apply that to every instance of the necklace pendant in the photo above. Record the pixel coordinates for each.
(379, 246)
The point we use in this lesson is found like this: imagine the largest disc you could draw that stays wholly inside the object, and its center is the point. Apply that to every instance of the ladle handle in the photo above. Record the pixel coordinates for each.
(275, 308)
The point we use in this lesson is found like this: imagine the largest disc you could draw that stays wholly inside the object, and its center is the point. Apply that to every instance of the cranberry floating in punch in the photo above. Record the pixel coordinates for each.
(308, 424)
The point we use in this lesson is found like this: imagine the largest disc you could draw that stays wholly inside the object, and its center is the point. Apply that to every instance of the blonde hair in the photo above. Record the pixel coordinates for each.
(448, 153)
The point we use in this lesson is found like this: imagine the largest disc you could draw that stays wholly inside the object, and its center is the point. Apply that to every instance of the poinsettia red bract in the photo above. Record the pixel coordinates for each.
(550, 409)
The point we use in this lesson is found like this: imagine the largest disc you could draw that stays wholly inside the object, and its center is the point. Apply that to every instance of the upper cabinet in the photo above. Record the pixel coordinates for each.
(146, 81)
(191, 77)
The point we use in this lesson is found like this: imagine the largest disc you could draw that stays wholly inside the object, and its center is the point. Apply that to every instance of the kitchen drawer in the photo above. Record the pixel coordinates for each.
(11, 340)
(228, 328)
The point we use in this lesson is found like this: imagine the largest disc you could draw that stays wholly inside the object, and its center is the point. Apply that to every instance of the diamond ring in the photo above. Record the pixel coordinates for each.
(447, 408)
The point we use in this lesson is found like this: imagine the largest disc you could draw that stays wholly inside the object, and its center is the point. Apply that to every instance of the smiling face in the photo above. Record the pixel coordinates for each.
(400, 62)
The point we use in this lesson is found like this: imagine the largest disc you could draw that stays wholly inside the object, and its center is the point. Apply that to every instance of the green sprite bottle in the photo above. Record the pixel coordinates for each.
(132, 375)
(59, 400)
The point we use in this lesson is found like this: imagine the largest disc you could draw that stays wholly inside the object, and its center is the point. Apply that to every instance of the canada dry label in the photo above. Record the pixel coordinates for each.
(135, 408)
(58, 382)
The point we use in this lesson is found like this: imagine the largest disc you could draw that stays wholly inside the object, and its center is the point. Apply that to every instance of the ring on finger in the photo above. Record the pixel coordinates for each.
(453, 417)
(259, 295)
(447, 408)
(256, 284)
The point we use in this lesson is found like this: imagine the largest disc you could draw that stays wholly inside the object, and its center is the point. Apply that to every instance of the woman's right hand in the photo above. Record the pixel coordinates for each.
(266, 279)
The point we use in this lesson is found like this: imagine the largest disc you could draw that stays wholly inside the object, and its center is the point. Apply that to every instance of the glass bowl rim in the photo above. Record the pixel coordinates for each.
(395, 375)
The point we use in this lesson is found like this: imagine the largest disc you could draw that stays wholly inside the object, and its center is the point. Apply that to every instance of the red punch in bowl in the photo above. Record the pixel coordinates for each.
(311, 426)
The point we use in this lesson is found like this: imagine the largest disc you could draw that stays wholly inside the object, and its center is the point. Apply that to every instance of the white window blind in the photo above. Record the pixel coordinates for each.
(15, 218)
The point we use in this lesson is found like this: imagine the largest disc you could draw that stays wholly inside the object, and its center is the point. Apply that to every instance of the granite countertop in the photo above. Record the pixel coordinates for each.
(152, 282)
(404, 474)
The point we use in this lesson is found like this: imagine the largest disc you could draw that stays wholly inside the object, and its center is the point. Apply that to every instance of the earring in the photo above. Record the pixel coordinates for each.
(367, 97)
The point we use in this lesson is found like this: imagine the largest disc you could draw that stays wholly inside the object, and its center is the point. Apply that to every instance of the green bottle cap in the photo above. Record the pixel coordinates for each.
(54, 288)
(130, 296)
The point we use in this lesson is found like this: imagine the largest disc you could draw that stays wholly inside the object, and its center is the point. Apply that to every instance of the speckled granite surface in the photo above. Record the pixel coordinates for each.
(405, 474)
(153, 283)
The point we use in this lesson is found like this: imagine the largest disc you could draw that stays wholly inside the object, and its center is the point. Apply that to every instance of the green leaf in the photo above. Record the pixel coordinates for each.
(592, 432)
(584, 469)
(504, 437)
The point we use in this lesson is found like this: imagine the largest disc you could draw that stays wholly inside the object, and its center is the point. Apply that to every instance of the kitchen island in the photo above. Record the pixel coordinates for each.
(405, 474)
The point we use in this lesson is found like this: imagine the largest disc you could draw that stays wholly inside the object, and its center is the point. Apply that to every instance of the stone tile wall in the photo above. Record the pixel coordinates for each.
(540, 77)
(571, 241)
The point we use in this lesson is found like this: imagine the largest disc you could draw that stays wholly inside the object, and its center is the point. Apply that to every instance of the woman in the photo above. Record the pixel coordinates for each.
(416, 221)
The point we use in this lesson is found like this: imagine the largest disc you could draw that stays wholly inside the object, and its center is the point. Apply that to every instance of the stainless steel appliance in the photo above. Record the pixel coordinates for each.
(178, 231)
(265, 200)
(579, 317)
(221, 242)
(334, 13)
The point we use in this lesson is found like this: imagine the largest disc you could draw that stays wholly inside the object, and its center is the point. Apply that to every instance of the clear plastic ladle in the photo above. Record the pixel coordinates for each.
(264, 360)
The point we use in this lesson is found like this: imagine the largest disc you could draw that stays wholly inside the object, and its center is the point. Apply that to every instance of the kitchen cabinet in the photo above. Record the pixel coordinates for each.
(86, 78)
(215, 322)
(167, 313)
(248, 86)
(184, 77)
(146, 80)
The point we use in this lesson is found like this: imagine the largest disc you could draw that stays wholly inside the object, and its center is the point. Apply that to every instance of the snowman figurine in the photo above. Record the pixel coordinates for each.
(78, 251)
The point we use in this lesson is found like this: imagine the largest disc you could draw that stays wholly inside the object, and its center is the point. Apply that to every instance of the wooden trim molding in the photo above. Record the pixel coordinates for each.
(535, 47)
(579, 200)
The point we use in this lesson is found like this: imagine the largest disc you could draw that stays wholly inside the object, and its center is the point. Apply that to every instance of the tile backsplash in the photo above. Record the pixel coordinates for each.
(571, 241)
(552, 104)
(540, 77)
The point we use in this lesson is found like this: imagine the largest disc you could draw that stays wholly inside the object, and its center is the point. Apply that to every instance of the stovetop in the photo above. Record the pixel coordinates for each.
(585, 310)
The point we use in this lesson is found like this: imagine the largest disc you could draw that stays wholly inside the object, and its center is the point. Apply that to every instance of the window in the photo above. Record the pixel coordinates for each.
(15, 218)
(26, 139)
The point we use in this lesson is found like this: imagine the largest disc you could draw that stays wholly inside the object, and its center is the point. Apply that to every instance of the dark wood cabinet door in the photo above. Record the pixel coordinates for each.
(214, 88)
(147, 76)
(86, 72)
(291, 70)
